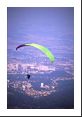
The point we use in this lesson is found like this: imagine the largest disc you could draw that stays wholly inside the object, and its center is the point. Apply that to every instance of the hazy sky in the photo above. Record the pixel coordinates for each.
(52, 27)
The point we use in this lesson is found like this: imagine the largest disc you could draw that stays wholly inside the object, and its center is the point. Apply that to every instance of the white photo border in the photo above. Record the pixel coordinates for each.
(77, 58)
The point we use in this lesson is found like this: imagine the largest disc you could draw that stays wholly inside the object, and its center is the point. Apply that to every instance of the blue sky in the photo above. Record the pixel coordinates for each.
(52, 27)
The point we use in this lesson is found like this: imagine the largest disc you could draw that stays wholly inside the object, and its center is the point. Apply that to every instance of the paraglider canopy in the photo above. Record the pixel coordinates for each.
(45, 50)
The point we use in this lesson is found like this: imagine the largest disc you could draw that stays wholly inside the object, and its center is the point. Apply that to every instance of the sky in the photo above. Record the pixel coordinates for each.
(52, 27)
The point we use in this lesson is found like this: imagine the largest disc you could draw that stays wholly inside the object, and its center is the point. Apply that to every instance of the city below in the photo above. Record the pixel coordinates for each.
(23, 68)
(27, 88)
(44, 89)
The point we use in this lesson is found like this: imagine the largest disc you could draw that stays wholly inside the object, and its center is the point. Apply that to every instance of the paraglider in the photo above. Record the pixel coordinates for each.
(28, 76)
(45, 50)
